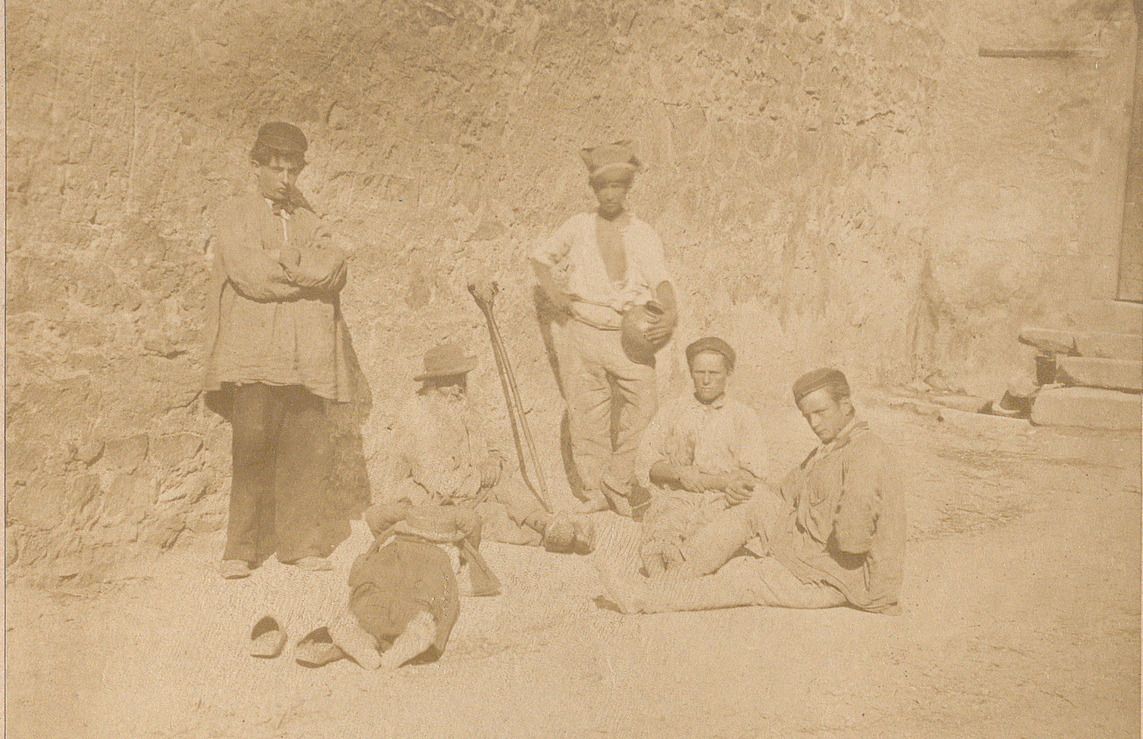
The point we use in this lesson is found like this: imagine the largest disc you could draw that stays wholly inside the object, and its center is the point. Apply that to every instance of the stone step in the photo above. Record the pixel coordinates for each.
(1050, 340)
(1113, 374)
(1110, 316)
(1110, 346)
(1085, 344)
(1089, 407)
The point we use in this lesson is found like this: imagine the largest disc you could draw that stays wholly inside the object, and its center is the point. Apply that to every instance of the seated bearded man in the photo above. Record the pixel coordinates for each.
(702, 454)
(442, 457)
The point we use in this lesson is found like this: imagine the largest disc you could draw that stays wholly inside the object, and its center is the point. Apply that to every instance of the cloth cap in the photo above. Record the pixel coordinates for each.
(619, 155)
(282, 136)
(817, 379)
(446, 360)
(711, 344)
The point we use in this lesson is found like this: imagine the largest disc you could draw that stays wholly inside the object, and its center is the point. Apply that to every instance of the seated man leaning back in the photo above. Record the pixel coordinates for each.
(833, 534)
(702, 454)
(442, 457)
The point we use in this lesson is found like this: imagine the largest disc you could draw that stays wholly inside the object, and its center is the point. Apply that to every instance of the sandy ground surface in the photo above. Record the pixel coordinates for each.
(1021, 619)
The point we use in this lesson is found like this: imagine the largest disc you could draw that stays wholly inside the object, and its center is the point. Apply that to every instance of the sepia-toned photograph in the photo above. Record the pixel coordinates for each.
(633, 369)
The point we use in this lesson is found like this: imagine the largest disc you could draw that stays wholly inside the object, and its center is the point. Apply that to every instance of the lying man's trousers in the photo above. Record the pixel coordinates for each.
(713, 577)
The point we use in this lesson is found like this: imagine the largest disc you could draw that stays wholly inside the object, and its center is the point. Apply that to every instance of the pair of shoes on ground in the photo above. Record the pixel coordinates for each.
(235, 569)
(315, 649)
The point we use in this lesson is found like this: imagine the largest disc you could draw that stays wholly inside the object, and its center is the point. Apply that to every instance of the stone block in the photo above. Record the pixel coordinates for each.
(81, 491)
(39, 504)
(1048, 339)
(1095, 408)
(966, 403)
(1112, 316)
(1110, 346)
(170, 450)
(1113, 374)
(126, 454)
(981, 423)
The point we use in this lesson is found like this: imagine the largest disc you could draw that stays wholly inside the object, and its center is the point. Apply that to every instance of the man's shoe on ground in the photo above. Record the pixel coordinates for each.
(234, 569)
(317, 649)
(628, 593)
(617, 498)
(313, 564)
(267, 638)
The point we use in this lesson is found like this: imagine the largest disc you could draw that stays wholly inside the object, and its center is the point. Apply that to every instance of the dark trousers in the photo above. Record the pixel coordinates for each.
(280, 496)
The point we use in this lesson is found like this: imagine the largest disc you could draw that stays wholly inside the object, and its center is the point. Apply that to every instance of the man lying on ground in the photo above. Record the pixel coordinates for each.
(702, 454)
(404, 597)
(442, 457)
(833, 533)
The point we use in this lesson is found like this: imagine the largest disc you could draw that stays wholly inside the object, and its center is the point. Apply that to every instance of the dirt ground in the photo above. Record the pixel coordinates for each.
(1021, 619)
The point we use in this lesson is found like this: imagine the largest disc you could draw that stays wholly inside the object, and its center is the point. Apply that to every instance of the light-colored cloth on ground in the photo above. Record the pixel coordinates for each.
(439, 451)
(572, 254)
(720, 437)
(273, 314)
(837, 524)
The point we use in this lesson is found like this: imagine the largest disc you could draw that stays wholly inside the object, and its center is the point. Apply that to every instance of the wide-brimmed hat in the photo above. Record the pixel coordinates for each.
(446, 360)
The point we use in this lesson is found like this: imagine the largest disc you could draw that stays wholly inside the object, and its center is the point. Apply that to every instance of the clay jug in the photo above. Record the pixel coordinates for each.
(633, 332)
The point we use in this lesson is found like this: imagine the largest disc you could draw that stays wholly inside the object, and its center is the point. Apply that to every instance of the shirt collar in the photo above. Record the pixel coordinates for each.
(717, 403)
(843, 436)
(284, 209)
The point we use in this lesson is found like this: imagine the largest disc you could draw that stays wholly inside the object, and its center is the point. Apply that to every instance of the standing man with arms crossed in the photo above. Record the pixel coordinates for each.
(595, 268)
(277, 352)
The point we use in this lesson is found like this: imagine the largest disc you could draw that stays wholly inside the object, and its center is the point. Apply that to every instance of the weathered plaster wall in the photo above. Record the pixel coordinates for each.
(1031, 169)
(834, 181)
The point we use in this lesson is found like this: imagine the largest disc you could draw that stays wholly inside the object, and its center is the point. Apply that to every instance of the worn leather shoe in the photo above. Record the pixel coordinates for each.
(234, 569)
(313, 564)
(267, 638)
(317, 649)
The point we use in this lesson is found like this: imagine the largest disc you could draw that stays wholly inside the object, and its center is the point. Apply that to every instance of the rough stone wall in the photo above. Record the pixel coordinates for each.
(824, 190)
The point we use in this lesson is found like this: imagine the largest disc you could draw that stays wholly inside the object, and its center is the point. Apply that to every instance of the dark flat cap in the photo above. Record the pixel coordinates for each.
(817, 379)
(711, 344)
(282, 136)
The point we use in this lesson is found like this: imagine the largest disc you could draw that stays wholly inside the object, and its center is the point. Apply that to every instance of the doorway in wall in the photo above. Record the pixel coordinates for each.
(1131, 237)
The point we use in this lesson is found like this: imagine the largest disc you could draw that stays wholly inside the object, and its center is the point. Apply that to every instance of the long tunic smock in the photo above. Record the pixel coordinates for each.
(273, 313)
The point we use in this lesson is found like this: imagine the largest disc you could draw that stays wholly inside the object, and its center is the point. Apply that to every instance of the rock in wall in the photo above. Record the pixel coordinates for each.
(824, 189)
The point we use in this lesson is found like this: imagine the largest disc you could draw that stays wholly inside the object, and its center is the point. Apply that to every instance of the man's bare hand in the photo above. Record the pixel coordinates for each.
(661, 329)
(692, 480)
(740, 488)
(490, 473)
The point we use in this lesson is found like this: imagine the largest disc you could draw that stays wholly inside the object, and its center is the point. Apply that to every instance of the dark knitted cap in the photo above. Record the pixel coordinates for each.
(711, 344)
(620, 155)
(284, 137)
(817, 379)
